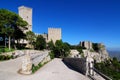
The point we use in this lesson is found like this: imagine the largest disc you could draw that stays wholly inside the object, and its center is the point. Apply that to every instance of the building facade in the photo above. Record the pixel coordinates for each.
(86, 44)
(54, 34)
(26, 14)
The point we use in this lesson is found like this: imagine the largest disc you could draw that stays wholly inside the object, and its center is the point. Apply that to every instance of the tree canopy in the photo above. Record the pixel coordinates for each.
(30, 37)
(61, 49)
(10, 24)
(40, 43)
(50, 45)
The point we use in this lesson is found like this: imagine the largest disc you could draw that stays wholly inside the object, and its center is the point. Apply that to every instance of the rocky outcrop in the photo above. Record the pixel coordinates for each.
(98, 56)
(74, 53)
(103, 52)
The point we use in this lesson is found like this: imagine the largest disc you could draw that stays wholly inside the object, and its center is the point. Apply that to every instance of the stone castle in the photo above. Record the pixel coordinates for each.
(99, 56)
(53, 33)
(86, 44)
(26, 14)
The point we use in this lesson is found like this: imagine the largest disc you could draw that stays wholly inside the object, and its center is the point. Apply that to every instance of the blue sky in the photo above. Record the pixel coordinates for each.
(90, 20)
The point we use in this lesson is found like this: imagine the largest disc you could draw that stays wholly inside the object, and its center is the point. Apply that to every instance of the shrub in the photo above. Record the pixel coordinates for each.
(2, 50)
(35, 68)
(109, 68)
(52, 56)
(5, 57)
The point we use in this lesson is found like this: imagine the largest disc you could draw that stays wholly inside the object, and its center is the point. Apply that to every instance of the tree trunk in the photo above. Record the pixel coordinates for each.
(9, 43)
(5, 40)
(14, 44)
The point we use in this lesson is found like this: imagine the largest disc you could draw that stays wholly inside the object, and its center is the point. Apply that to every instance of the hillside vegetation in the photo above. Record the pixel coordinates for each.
(110, 68)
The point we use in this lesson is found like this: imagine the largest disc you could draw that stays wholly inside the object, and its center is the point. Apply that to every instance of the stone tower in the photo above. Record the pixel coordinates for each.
(54, 34)
(26, 14)
(86, 44)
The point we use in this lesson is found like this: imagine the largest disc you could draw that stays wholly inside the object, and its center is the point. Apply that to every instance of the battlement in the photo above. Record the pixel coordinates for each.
(54, 28)
(24, 7)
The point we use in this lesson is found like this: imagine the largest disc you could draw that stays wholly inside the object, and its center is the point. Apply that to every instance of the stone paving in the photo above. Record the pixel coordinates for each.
(54, 70)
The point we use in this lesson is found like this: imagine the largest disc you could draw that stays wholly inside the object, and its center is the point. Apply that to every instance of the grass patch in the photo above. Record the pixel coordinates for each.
(5, 57)
(2, 50)
(35, 68)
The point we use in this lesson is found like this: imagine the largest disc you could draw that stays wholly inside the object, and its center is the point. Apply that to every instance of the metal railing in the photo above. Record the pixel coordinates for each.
(103, 75)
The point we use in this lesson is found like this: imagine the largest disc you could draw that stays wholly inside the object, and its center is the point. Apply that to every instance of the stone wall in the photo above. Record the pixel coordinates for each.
(33, 57)
(86, 44)
(77, 63)
(54, 34)
(46, 59)
(82, 65)
(26, 14)
(40, 58)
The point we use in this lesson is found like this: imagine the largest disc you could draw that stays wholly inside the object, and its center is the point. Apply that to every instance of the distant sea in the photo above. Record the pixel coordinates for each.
(114, 53)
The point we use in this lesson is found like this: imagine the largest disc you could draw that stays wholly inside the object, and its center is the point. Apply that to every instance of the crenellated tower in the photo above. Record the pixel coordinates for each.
(26, 14)
(54, 34)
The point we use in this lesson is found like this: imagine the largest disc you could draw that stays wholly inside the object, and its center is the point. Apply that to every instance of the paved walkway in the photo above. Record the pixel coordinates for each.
(54, 70)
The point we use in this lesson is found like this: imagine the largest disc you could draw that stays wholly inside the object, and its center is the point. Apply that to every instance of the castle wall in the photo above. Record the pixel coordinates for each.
(26, 14)
(86, 44)
(54, 34)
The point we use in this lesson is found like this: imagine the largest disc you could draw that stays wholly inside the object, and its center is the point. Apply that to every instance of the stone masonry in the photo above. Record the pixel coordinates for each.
(86, 44)
(26, 14)
(83, 65)
(54, 34)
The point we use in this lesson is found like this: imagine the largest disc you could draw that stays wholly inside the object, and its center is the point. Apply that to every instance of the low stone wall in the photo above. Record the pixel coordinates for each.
(78, 64)
(46, 59)
(33, 58)
(41, 58)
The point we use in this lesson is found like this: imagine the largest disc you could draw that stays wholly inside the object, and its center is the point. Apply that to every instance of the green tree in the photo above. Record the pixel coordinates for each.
(9, 32)
(50, 45)
(66, 49)
(61, 49)
(19, 32)
(95, 46)
(80, 50)
(9, 22)
(58, 48)
(30, 37)
(66, 43)
(40, 43)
